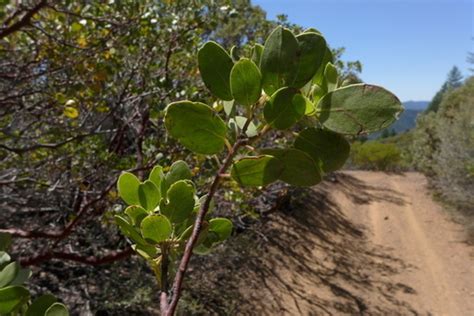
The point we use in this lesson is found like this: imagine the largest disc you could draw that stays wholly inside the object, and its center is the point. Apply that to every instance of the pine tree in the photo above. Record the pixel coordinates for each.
(453, 80)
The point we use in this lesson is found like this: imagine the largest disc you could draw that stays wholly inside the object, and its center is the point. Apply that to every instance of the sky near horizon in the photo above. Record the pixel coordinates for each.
(407, 46)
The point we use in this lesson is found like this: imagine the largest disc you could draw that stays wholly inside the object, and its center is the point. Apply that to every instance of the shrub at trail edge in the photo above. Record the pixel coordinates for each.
(166, 221)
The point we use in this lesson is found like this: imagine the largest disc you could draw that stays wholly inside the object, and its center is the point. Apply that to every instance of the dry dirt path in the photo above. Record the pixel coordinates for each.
(417, 231)
(365, 243)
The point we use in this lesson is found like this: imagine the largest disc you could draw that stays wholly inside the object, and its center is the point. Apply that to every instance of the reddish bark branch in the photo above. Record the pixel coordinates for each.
(178, 281)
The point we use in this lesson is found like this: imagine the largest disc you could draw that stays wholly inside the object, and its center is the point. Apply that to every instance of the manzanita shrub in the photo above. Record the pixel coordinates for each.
(290, 83)
(15, 299)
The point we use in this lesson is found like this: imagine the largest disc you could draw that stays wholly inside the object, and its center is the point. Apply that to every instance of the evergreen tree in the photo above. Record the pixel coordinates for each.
(453, 80)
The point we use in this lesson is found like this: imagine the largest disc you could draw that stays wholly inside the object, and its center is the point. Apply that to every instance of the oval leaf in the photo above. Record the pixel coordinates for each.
(319, 78)
(215, 65)
(331, 148)
(256, 171)
(156, 228)
(11, 297)
(149, 195)
(180, 201)
(246, 82)
(40, 305)
(156, 175)
(4, 258)
(136, 214)
(179, 170)
(127, 186)
(279, 60)
(8, 274)
(257, 52)
(286, 107)
(299, 168)
(331, 76)
(129, 231)
(57, 309)
(311, 48)
(359, 109)
(196, 126)
(222, 227)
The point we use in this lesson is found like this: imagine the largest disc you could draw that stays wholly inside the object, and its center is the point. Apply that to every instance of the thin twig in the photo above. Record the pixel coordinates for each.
(178, 281)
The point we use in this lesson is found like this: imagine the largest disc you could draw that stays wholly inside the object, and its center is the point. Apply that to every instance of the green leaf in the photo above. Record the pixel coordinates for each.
(156, 228)
(246, 82)
(146, 251)
(251, 129)
(311, 48)
(136, 214)
(57, 309)
(229, 108)
(5, 241)
(286, 107)
(127, 185)
(257, 51)
(179, 170)
(359, 109)
(318, 93)
(331, 148)
(299, 168)
(330, 73)
(256, 171)
(279, 60)
(234, 54)
(196, 126)
(222, 227)
(128, 230)
(40, 305)
(22, 276)
(310, 109)
(149, 195)
(215, 65)
(8, 274)
(319, 78)
(12, 297)
(180, 201)
(156, 175)
(4, 258)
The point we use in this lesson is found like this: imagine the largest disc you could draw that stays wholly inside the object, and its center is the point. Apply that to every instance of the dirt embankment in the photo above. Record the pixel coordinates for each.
(365, 243)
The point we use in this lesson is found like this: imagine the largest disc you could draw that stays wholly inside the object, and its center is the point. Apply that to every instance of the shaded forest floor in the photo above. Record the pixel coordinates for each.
(362, 243)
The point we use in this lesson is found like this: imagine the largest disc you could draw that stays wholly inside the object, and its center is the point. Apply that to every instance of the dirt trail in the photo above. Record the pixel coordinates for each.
(417, 231)
(366, 243)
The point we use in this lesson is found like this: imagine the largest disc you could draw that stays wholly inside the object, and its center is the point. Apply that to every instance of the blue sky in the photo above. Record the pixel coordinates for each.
(407, 46)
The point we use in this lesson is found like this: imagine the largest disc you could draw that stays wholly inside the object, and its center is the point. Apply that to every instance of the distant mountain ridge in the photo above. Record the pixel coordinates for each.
(407, 119)
(416, 105)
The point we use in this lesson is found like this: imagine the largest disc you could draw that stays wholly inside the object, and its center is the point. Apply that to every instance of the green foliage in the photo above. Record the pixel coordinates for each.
(245, 82)
(158, 230)
(285, 107)
(215, 66)
(279, 60)
(257, 170)
(443, 146)
(453, 80)
(295, 73)
(330, 147)
(15, 297)
(127, 187)
(298, 167)
(196, 126)
(359, 109)
(373, 155)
